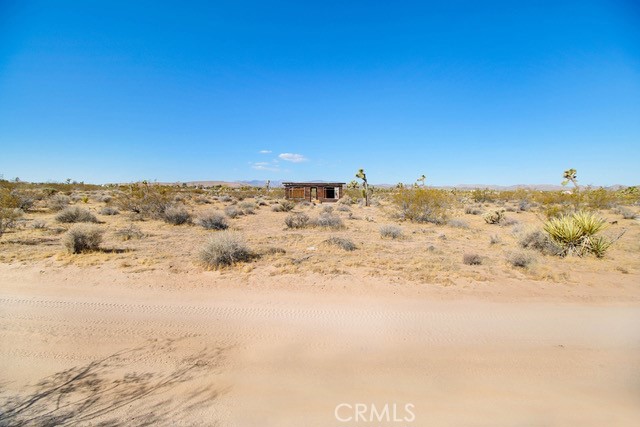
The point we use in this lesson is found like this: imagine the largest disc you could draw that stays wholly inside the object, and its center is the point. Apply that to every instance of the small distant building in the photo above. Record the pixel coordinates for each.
(320, 191)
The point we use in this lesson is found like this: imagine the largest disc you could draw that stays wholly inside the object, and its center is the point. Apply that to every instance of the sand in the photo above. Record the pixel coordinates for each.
(82, 354)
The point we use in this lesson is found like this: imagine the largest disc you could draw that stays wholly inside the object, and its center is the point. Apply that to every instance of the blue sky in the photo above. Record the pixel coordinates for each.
(496, 92)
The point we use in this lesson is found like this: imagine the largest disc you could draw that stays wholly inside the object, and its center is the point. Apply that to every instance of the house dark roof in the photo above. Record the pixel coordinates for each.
(313, 184)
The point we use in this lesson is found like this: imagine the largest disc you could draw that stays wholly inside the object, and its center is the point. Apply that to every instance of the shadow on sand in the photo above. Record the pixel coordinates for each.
(109, 392)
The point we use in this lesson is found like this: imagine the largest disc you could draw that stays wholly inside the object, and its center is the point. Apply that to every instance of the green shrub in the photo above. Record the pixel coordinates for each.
(423, 204)
(576, 234)
(83, 238)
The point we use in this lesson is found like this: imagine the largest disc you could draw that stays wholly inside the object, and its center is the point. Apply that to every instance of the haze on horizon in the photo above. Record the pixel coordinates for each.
(498, 93)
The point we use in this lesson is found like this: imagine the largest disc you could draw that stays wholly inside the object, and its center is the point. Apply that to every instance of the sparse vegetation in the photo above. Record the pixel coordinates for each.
(458, 223)
(213, 221)
(233, 211)
(297, 220)
(423, 204)
(283, 206)
(83, 238)
(471, 259)
(129, 232)
(390, 231)
(327, 220)
(109, 210)
(342, 242)
(176, 215)
(520, 259)
(58, 202)
(75, 214)
(224, 249)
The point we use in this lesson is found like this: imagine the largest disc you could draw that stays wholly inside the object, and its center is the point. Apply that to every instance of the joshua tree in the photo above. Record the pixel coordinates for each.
(267, 185)
(365, 185)
(421, 179)
(570, 176)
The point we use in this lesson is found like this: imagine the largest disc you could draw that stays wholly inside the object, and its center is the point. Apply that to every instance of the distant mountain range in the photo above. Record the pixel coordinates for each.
(278, 183)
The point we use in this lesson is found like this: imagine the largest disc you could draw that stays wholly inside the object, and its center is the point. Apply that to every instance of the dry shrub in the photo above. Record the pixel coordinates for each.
(75, 214)
(472, 259)
(423, 204)
(390, 231)
(539, 241)
(297, 220)
(176, 215)
(342, 243)
(83, 238)
(145, 200)
(233, 211)
(223, 249)
(109, 210)
(520, 259)
(130, 232)
(283, 206)
(58, 202)
(327, 220)
(458, 223)
(213, 221)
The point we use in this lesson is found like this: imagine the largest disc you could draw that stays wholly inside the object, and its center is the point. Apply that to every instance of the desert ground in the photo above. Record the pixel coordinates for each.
(305, 333)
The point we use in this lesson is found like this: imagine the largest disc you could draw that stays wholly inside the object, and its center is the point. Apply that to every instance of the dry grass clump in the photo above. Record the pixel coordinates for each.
(390, 231)
(343, 208)
(625, 212)
(75, 214)
(129, 232)
(176, 215)
(520, 259)
(472, 210)
(213, 221)
(540, 242)
(458, 223)
(223, 249)
(494, 239)
(327, 220)
(38, 225)
(297, 220)
(109, 210)
(327, 209)
(248, 207)
(58, 202)
(233, 211)
(283, 206)
(471, 259)
(82, 238)
(342, 242)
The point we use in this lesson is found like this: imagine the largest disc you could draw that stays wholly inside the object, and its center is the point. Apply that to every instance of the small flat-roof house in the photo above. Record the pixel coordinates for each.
(320, 191)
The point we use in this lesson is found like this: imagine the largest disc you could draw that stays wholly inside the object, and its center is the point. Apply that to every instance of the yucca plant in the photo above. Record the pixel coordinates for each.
(575, 234)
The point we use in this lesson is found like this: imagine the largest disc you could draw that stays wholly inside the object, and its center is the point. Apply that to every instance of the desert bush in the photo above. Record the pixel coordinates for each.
(458, 223)
(520, 259)
(472, 259)
(213, 221)
(390, 231)
(539, 241)
(327, 209)
(24, 201)
(82, 238)
(343, 208)
(145, 199)
(129, 232)
(507, 222)
(109, 210)
(75, 214)
(223, 249)
(297, 220)
(524, 206)
(494, 239)
(283, 206)
(626, 213)
(342, 243)
(327, 220)
(58, 202)
(248, 207)
(493, 217)
(576, 234)
(38, 225)
(423, 204)
(8, 218)
(472, 210)
(556, 211)
(176, 215)
(233, 211)
(484, 195)
(225, 199)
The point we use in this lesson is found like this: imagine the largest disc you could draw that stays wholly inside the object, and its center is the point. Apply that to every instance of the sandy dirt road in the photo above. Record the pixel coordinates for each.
(108, 357)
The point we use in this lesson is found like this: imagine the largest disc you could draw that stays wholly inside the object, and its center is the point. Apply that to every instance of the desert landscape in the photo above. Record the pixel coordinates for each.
(235, 306)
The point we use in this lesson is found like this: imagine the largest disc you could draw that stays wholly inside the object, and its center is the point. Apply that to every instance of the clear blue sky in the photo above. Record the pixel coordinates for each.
(500, 92)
